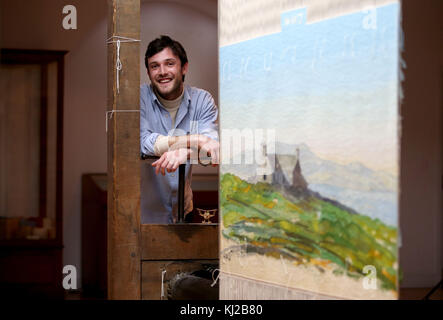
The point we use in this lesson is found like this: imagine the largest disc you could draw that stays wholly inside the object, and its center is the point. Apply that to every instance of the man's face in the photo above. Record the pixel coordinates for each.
(166, 73)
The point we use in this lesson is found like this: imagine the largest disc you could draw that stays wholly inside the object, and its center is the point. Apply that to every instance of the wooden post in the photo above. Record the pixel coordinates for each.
(124, 266)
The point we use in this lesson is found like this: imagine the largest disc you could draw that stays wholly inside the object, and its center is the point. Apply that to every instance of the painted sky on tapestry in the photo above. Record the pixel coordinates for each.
(310, 201)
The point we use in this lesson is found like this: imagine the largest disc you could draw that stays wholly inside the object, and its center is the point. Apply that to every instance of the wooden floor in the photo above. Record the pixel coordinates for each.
(405, 294)
(420, 293)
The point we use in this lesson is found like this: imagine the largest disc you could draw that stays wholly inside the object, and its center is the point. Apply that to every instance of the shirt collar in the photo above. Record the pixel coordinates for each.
(186, 95)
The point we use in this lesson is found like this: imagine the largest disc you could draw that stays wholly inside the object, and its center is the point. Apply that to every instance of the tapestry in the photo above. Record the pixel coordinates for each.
(309, 178)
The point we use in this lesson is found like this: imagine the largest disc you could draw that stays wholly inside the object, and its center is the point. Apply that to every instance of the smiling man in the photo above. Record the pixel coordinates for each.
(177, 123)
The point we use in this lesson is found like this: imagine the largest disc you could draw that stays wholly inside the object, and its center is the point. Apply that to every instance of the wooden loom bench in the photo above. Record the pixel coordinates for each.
(180, 248)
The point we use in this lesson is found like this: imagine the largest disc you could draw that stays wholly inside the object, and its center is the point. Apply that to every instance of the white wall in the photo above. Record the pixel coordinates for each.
(196, 30)
(193, 23)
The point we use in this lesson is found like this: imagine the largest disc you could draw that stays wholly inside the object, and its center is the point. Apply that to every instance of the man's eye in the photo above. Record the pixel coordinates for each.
(170, 64)
(154, 67)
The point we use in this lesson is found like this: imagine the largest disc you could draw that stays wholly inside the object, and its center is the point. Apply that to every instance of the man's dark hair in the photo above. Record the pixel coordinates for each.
(157, 45)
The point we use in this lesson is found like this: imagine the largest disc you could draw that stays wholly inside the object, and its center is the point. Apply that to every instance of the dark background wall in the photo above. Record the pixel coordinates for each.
(421, 148)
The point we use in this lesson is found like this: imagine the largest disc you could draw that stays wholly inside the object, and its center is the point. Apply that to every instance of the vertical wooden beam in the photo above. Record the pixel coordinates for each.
(123, 153)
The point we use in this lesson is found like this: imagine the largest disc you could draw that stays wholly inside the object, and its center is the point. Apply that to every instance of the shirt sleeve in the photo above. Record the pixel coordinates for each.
(161, 145)
(208, 118)
(147, 134)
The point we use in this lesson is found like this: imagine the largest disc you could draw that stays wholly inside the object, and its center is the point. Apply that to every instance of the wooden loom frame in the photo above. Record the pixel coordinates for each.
(137, 252)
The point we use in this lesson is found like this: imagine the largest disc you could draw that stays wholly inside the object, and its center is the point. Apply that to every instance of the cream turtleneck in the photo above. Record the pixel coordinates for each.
(171, 105)
(161, 144)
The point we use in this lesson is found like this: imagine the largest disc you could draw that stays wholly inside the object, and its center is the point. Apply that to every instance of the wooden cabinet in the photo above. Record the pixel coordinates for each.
(94, 235)
(31, 137)
(31, 269)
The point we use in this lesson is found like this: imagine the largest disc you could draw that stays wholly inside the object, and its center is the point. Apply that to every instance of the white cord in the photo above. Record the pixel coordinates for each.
(284, 265)
(216, 279)
(122, 39)
(109, 115)
(118, 66)
(118, 63)
(162, 294)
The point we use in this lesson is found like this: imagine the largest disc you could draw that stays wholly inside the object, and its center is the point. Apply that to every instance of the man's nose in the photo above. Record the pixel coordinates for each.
(162, 69)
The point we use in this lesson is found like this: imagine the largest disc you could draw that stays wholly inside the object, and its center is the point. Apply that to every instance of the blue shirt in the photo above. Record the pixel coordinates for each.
(197, 114)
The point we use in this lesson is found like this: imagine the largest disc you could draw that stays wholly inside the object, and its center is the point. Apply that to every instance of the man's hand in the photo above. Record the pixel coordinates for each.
(206, 146)
(209, 148)
(170, 160)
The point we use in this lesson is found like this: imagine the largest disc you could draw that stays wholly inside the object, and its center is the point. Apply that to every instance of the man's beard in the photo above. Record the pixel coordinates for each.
(166, 93)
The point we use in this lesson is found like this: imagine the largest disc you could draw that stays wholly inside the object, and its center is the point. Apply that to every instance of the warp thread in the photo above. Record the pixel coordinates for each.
(109, 115)
(216, 279)
(118, 63)
(162, 291)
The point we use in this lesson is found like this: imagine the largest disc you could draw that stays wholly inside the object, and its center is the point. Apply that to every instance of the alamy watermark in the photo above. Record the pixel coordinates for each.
(370, 19)
(370, 280)
(247, 146)
(70, 20)
(70, 278)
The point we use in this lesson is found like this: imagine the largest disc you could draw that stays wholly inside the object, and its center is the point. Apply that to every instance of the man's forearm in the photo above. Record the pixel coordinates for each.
(167, 143)
(193, 141)
(199, 146)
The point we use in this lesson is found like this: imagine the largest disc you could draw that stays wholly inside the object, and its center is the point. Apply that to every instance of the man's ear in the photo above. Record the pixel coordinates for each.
(185, 68)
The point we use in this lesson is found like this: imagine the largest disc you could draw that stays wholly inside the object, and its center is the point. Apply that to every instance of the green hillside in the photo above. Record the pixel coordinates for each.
(307, 230)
